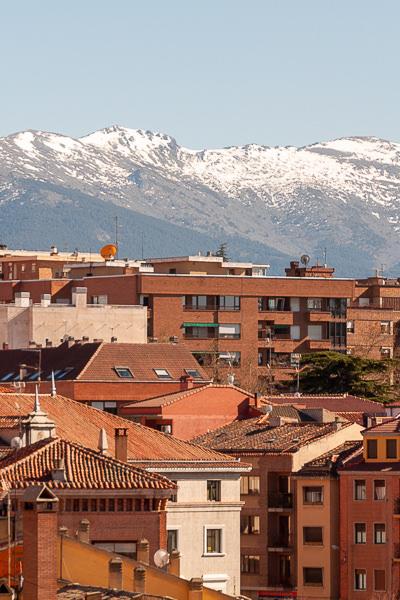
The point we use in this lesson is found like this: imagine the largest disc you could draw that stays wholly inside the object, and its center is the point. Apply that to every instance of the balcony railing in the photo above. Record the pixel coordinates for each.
(280, 500)
(280, 541)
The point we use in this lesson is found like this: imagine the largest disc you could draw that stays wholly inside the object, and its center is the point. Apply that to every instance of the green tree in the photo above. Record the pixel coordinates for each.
(222, 251)
(333, 373)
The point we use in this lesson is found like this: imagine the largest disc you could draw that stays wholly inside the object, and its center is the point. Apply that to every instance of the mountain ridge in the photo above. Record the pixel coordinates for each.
(279, 202)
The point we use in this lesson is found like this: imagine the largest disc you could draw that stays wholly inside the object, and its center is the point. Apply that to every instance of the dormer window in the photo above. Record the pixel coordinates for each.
(372, 448)
(124, 372)
(162, 373)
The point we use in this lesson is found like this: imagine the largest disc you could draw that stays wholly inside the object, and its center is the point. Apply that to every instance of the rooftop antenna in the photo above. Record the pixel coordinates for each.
(382, 269)
(325, 263)
(36, 406)
(116, 234)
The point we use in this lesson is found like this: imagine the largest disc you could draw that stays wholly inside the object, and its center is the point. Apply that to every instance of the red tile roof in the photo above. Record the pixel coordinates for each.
(141, 359)
(256, 435)
(334, 402)
(84, 469)
(81, 424)
(388, 426)
(323, 465)
(168, 399)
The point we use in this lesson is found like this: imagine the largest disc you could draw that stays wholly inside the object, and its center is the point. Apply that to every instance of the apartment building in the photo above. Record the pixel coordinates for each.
(24, 324)
(370, 516)
(277, 445)
(318, 523)
(235, 318)
(203, 515)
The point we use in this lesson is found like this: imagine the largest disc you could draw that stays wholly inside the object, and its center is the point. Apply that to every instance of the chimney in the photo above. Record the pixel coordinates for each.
(121, 444)
(79, 296)
(49, 343)
(103, 442)
(186, 382)
(174, 563)
(139, 578)
(45, 299)
(5, 346)
(338, 424)
(114, 339)
(143, 551)
(22, 299)
(40, 534)
(58, 471)
(23, 371)
(115, 573)
(195, 588)
(257, 400)
(84, 531)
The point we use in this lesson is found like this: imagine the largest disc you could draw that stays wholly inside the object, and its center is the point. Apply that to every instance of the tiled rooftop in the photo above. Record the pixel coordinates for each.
(97, 361)
(336, 457)
(334, 402)
(256, 435)
(81, 424)
(389, 426)
(141, 359)
(84, 469)
(168, 399)
(74, 591)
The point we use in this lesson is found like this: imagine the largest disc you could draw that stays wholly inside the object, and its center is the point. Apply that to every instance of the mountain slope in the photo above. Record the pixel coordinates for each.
(270, 204)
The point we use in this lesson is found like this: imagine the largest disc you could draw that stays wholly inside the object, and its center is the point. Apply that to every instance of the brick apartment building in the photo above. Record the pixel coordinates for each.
(233, 317)
(370, 516)
(277, 444)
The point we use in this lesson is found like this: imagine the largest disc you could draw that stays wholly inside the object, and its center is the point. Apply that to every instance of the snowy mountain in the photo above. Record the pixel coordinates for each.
(269, 204)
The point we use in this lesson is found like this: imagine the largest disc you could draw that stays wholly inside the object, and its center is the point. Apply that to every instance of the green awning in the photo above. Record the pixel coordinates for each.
(201, 325)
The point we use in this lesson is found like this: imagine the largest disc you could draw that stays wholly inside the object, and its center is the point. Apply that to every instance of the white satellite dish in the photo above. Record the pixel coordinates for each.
(161, 558)
(16, 443)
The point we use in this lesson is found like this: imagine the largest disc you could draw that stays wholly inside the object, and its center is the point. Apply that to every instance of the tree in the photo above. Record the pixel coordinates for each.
(222, 251)
(333, 373)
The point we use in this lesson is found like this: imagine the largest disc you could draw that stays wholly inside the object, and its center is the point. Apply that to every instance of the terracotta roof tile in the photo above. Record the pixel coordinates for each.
(333, 402)
(257, 435)
(84, 469)
(81, 424)
(168, 399)
(335, 457)
(391, 425)
(141, 359)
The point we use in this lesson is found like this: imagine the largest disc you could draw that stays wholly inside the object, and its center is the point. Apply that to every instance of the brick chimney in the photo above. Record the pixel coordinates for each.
(40, 530)
(121, 444)
(186, 382)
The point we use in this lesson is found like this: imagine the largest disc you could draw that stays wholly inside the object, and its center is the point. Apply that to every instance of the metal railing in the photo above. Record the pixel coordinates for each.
(280, 500)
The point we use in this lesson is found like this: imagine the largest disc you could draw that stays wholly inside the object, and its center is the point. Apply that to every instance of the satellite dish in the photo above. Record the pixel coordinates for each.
(305, 259)
(268, 409)
(108, 251)
(16, 443)
(161, 558)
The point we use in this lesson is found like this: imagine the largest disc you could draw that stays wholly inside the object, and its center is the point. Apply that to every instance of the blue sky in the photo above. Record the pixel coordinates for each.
(210, 73)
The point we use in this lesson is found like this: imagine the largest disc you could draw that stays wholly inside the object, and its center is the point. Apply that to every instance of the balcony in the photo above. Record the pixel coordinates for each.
(280, 500)
(280, 317)
(318, 344)
(280, 543)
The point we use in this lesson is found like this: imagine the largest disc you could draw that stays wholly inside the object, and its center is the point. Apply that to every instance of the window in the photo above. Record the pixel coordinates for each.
(391, 448)
(295, 332)
(249, 524)
(249, 564)
(249, 485)
(85, 505)
(174, 496)
(229, 302)
(124, 372)
(295, 304)
(315, 332)
(313, 495)
(193, 373)
(109, 406)
(360, 579)
(350, 326)
(111, 505)
(162, 373)
(312, 576)
(214, 490)
(123, 548)
(372, 448)
(386, 352)
(360, 491)
(360, 533)
(379, 533)
(213, 541)
(314, 303)
(129, 505)
(198, 303)
(312, 535)
(385, 326)
(102, 299)
(93, 505)
(120, 504)
(229, 331)
(172, 540)
(75, 505)
(379, 489)
(102, 505)
(379, 580)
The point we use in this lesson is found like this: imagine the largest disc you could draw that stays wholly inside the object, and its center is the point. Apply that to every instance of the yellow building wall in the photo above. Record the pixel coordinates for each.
(381, 448)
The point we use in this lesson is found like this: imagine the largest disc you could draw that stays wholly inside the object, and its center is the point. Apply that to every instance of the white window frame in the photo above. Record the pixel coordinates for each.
(222, 529)
(360, 589)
